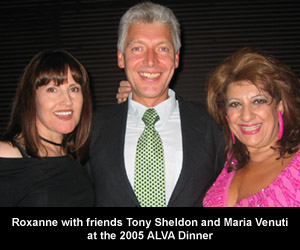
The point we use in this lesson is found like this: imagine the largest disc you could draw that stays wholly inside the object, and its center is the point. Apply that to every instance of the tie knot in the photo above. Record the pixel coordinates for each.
(150, 117)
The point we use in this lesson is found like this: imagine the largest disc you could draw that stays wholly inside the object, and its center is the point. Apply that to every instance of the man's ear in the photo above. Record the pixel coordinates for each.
(121, 60)
(177, 59)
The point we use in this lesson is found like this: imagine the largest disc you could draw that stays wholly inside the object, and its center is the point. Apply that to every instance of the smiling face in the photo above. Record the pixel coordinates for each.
(149, 61)
(252, 115)
(58, 108)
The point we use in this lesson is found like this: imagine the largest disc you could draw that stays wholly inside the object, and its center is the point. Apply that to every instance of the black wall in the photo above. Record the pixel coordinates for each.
(211, 30)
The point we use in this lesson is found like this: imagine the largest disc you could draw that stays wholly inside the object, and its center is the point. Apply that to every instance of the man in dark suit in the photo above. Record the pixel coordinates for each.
(193, 150)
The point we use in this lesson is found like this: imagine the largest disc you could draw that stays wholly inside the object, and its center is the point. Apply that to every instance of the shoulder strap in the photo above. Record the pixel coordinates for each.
(21, 149)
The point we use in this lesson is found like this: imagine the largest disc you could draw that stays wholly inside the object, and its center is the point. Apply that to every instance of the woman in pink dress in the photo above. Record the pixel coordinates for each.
(256, 100)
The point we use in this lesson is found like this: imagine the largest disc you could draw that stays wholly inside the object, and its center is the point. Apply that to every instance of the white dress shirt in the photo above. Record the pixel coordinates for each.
(169, 129)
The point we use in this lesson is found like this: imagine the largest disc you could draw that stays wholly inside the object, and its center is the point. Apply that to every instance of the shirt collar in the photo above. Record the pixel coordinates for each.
(163, 109)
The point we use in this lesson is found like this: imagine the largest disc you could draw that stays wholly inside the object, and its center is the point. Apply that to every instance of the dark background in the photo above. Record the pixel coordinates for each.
(211, 30)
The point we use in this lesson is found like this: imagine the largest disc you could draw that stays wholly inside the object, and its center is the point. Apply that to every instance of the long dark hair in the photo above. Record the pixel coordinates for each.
(46, 66)
(268, 74)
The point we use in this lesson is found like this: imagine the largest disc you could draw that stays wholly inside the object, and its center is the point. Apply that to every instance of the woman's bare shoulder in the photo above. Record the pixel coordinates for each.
(7, 150)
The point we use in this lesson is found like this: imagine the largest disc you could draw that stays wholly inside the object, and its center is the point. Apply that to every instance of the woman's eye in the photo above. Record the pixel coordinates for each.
(260, 101)
(51, 90)
(76, 89)
(233, 104)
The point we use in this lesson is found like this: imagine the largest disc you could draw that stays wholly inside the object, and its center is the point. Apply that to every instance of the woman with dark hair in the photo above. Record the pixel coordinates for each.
(256, 100)
(47, 140)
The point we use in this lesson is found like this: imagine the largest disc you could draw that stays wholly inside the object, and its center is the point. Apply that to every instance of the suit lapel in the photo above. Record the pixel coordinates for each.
(118, 126)
(188, 147)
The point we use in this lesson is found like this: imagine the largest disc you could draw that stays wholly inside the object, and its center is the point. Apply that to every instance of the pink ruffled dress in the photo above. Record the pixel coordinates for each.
(284, 191)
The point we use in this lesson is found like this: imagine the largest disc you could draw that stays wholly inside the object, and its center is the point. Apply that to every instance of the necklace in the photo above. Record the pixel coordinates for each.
(51, 142)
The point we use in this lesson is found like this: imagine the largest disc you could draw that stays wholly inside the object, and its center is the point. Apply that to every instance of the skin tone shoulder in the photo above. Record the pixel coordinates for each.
(8, 151)
(149, 60)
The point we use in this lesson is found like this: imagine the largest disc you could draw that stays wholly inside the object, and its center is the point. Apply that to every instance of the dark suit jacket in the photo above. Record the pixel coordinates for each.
(203, 156)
